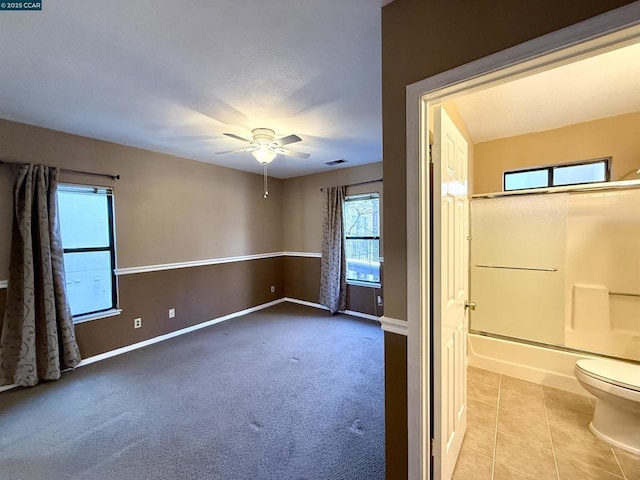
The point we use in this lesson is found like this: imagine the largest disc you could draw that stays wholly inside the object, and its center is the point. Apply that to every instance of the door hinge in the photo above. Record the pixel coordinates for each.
(430, 153)
(434, 447)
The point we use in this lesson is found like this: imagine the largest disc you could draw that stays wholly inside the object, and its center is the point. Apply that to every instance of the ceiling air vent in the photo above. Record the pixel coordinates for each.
(336, 162)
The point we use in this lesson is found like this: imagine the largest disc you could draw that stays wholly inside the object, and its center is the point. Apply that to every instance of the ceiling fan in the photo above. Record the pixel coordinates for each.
(264, 145)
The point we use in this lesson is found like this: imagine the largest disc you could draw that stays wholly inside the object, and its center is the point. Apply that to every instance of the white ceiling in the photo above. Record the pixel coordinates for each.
(598, 87)
(172, 76)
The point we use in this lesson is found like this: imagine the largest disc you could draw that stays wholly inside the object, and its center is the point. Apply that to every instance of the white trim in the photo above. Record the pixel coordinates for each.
(4, 283)
(366, 316)
(195, 263)
(563, 46)
(151, 341)
(305, 303)
(211, 261)
(302, 254)
(353, 313)
(394, 325)
(358, 283)
(96, 316)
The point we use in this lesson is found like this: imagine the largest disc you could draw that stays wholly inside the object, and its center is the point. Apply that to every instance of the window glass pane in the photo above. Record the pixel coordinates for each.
(573, 174)
(89, 281)
(523, 180)
(84, 219)
(363, 260)
(361, 217)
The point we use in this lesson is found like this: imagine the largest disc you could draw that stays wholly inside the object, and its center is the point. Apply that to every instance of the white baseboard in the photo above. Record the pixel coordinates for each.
(366, 316)
(151, 341)
(352, 313)
(305, 303)
(161, 338)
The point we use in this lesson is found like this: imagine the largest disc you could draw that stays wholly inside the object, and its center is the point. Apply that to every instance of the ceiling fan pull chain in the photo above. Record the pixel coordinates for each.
(266, 192)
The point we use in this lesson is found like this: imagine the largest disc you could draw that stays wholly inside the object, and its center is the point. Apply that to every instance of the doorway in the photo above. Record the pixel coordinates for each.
(560, 48)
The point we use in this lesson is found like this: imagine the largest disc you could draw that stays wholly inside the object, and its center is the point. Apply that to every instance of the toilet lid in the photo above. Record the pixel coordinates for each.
(622, 374)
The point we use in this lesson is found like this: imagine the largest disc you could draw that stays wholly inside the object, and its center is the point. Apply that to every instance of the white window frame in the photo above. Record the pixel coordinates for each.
(550, 170)
(361, 196)
(114, 309)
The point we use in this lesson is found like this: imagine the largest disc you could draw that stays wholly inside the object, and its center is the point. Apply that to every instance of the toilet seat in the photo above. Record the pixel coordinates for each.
(621, 374)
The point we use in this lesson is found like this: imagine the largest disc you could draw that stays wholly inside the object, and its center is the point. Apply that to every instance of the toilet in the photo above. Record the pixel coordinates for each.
(616, 386)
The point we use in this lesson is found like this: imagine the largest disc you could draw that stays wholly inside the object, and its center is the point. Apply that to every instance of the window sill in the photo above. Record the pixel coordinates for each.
(95, 316)
(364, 284)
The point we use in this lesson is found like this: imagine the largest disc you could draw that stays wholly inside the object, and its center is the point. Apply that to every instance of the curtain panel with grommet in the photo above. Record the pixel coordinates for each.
(37, 340)
(333, 269)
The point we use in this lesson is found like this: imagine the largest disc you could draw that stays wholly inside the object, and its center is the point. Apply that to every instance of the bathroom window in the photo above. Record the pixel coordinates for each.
(591, 171)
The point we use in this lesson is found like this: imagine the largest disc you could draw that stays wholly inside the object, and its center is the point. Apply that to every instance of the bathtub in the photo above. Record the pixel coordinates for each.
(546, 366)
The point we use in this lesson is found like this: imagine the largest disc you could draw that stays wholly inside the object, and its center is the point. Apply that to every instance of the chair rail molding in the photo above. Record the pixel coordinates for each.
(393, 325)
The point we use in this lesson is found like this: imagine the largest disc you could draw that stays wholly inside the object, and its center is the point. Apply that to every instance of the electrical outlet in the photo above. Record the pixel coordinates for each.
(137, 322)
(273, 289)
(379, 300)
(172, 312)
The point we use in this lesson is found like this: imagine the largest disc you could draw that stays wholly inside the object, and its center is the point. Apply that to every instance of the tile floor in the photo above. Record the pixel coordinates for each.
(519, 430)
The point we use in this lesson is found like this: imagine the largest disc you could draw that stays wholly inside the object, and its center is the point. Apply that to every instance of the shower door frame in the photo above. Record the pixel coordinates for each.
(608, 31)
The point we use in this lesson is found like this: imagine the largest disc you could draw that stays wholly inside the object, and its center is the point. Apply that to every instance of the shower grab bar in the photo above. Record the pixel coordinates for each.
(518, 268)
(621, 294)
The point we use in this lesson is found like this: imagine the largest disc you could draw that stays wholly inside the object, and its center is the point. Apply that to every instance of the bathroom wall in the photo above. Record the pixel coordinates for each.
(615, 137)
(548, 268)
(603, 260)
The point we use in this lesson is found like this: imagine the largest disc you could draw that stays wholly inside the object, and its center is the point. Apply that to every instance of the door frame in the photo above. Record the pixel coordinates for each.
(604, 32)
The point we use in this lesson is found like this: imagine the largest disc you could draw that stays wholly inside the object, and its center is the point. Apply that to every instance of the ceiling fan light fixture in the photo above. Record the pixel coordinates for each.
(264, 154)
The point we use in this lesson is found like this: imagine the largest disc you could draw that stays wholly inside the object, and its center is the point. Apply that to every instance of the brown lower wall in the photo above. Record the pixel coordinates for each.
(199, 294)
(302, 281)
(395, 412)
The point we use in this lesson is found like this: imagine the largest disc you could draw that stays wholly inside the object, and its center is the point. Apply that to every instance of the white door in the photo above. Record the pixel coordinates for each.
(450, 286)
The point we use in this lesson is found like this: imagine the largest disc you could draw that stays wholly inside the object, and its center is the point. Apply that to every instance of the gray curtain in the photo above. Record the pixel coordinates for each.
(38, 339)
(333, 269)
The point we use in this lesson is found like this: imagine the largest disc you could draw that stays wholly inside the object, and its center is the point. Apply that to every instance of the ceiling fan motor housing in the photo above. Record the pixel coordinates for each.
(263, 136)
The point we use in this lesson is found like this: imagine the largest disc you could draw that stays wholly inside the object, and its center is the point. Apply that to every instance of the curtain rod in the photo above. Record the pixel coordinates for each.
(66, 170)
(359, 183)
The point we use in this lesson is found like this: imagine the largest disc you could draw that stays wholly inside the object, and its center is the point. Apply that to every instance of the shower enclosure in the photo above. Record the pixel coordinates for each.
(559, 268)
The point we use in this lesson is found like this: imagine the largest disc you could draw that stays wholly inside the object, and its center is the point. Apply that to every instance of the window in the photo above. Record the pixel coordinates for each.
(362, 237)
(86, 226)
(559, 175)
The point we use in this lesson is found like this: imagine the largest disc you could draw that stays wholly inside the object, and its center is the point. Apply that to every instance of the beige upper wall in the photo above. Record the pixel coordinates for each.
(421, 39)
(168, 209)
(615, 137)
(302, 203)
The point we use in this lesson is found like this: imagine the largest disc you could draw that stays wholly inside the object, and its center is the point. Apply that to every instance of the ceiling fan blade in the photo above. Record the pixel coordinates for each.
(243, 149)
(237, 137)
(293, 153)
(288, 139)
